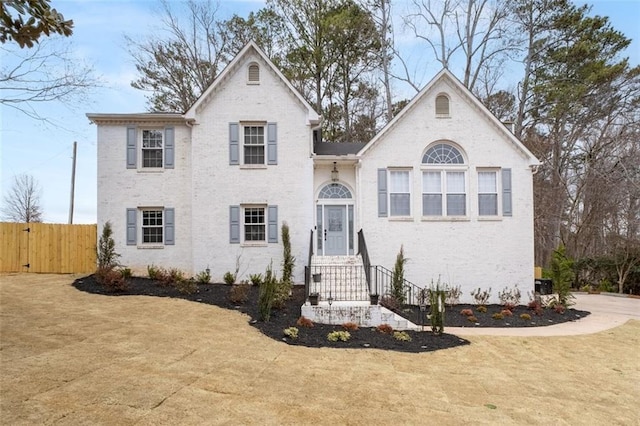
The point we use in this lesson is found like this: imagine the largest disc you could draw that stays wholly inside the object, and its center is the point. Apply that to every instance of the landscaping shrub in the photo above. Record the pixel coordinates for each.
(288, 260)
(350, 326)
(203, 277)
(239, 293)
(472, 319)
(111, 279)
(436, 305)
(452, 295)
(107, 255)
(304, 322)
(397, 282)
(154, 272)
(482, 309)
(506, 313)
(256, 279)
(186, 286)
(466, 312)
(562, 275)
(510, 297)
(385, 328)
(126, 273)
(229, 278)
(342, 336)
(481, 296)
(403, 336)
(267, 294)
(497, 316)
(291, 332)
(525, 317)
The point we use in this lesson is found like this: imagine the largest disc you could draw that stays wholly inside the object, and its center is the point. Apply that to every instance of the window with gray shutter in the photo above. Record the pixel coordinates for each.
(131, 148)
(169, 147)
(169, 226)
(507, 208)
(382, 193)
(234, 150)
(273, 224)
(234, 224)
(131, 226)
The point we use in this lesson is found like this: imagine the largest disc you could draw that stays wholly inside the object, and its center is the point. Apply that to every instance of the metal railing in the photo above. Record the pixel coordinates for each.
(339, 282)
(383, 285)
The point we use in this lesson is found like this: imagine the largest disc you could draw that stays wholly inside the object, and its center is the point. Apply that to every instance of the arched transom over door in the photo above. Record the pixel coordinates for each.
(334, 220)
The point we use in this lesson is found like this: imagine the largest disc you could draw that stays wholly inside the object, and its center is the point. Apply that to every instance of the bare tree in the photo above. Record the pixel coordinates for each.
(178, 67)
(22, 203)
(48, 72)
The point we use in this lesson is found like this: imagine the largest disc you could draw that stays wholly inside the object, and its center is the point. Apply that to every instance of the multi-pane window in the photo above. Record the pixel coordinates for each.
(253, 144)
(488, 193)
(152, 148)
(152, 226)
(254, 224)
(399, 193)
(444, 180)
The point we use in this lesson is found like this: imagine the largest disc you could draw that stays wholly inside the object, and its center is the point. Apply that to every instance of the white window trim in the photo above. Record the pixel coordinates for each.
(243, 126)
(498, 173)
(462, 168)
(243, 241)
(400, 218)
(140, 233)
(140, 140)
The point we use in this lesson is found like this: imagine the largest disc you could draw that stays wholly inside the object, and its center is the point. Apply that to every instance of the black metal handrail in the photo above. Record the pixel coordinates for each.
(307, 269)
(339, 282)
(383, 282)
(364, 254)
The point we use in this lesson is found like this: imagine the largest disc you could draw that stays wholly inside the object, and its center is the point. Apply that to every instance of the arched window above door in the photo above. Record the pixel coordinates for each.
(335, 190)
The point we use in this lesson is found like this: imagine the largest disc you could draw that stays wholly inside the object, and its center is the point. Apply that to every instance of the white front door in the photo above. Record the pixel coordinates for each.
(335, 230)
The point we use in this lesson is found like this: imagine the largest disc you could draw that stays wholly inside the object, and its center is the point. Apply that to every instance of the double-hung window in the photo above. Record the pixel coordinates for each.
(254, 224)
(152, 226)
(152, 148)
(488, 193)
(253, 144)
(444, 182)
(400, 193)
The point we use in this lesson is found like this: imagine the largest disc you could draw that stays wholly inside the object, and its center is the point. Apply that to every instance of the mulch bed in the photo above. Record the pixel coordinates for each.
(316, 336)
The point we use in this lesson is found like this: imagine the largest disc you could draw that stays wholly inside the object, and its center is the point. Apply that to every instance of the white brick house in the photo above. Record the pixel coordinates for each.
(210, 188)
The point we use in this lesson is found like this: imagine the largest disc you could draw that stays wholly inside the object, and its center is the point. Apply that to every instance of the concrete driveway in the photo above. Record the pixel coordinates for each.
(68, 357)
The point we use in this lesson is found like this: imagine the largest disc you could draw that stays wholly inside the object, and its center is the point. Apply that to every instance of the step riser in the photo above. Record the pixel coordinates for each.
(364, 316)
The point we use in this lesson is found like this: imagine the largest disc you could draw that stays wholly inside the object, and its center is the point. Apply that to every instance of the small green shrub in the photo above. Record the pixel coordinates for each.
(256, 279)
(239, 293)
(229, 278)
(437, 307)
(107, 255)
(203, 277)
(186, 286)
(606, 286)
(281, 295)
(176, 275)
(153, 272)
(525, 317)
(497, 316)
(397, 281)
(403, 336)
(304, 322)
(126, 273)
(291, 332)
(267, 294)
(350, 326)
(342, 336)
(385, 328)
(482, 309)
(472, 319)
(562, 275)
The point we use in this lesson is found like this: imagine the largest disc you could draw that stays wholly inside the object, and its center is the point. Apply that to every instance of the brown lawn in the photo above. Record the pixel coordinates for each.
(74, 358)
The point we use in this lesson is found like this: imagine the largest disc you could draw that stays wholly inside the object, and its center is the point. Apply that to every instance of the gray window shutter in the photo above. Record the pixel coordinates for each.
(234, 224)
(272, 232)
(169, 226)
(234, 148)
(131, 148)
(131, 226)
(507, 208)
(272, 143)
(382, 193)
(169, 147)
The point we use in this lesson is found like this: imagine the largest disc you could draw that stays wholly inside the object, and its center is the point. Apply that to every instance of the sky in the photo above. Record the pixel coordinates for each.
(44, 149)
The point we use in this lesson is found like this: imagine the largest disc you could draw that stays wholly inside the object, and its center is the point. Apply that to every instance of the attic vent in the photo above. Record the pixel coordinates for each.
(442, 106)
(254, 74)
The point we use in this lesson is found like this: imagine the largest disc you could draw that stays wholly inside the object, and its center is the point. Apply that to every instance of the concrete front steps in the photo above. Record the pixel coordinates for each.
(362, 313)
(341, 278)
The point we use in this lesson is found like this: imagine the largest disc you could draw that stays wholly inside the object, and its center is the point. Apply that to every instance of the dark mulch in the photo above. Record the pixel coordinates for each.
(316, 336)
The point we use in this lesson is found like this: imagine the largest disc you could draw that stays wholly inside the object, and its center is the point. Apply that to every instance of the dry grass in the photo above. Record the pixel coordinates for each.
(73, 357)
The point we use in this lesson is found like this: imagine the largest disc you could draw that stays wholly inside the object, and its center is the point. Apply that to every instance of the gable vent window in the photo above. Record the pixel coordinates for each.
(442, 106)
(254, 74)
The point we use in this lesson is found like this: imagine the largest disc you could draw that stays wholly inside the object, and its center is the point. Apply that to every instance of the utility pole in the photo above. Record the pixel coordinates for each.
(73, 181)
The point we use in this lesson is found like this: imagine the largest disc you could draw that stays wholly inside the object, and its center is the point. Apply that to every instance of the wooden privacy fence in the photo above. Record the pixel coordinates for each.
(47, 248)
